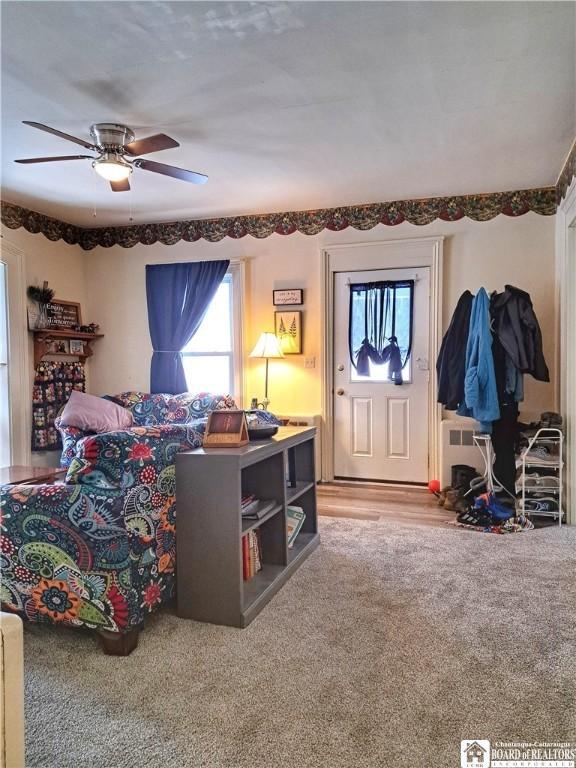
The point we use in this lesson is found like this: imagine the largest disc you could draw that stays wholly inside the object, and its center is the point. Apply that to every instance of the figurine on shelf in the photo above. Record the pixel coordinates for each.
(92, 328)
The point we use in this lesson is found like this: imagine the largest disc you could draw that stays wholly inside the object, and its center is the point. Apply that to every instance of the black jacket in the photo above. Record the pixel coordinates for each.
(451, 363)
(516, 325)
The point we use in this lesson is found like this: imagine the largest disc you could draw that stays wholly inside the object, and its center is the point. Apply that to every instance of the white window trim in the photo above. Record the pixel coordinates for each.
(19, 377)
(236, 270)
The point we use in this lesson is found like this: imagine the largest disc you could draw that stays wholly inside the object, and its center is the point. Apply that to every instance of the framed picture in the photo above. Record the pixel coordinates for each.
(76, 347)
(287, 296)
(57, 347)
(288, 328)
(63, 315)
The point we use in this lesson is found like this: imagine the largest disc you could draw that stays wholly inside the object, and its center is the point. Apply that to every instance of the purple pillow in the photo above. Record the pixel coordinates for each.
(94, 414)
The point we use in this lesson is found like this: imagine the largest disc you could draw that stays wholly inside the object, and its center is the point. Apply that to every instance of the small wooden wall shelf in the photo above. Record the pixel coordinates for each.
(43, 337)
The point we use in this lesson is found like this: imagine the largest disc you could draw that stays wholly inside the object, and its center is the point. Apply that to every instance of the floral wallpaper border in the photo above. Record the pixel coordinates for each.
(568, 173)
(362, 217)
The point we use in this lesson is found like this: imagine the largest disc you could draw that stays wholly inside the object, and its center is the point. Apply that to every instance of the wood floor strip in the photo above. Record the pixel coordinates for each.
(381, 504)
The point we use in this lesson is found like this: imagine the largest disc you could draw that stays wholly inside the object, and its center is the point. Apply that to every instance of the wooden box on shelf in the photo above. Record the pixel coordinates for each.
(226, 429)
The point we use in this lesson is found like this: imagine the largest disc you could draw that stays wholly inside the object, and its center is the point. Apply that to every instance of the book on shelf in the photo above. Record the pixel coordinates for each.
(290, 469)
(295, 517)
(251, 554)
(257, 508)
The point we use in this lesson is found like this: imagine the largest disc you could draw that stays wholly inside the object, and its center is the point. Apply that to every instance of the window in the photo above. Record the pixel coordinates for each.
(212, 358)
(402, 321)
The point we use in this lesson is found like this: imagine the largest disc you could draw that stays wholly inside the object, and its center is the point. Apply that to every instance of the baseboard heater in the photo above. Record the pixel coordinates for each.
(457, 447)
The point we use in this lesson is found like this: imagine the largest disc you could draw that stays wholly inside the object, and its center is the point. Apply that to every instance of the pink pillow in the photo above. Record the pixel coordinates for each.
(93, 414)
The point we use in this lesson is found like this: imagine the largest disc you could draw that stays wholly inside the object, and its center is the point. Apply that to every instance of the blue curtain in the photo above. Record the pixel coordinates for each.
(178, 296)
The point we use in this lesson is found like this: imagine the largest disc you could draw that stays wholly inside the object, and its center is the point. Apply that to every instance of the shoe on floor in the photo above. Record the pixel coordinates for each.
(542, 455)
(475, 517)
(544, 504)
(536, 479)
(442, 495)
(524, 523)
(452, 497)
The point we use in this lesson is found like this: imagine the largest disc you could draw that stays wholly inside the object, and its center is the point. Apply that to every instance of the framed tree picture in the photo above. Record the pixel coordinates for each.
(288, 329)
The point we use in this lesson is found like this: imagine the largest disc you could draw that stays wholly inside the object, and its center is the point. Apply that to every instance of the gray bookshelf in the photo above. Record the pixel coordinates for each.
(210, 483)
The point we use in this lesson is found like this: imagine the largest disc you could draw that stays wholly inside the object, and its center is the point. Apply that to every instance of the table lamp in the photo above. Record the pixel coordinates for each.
(266, 347)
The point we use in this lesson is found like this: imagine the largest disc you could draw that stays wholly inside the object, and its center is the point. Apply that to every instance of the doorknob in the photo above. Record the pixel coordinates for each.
(340, 392)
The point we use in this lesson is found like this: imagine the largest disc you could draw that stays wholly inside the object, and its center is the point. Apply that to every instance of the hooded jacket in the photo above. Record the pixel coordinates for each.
(480, 391)
(516, 325)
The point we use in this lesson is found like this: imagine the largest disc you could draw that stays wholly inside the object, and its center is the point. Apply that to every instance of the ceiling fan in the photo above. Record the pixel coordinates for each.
(115, 145)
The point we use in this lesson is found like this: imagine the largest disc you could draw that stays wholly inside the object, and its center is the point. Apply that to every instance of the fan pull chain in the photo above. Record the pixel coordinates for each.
(130, 218)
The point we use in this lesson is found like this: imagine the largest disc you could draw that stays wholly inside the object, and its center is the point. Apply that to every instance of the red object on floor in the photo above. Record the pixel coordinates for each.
(434, 486)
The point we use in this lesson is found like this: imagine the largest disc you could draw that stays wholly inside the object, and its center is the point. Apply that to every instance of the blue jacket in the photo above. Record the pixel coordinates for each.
(480, 392)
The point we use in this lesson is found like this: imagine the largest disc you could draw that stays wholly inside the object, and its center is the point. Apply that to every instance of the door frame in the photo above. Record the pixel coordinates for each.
(19, 375)
(388, 254)
(566, 337)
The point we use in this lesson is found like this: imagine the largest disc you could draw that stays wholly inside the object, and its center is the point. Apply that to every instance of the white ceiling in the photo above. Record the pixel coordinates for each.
(287, 105)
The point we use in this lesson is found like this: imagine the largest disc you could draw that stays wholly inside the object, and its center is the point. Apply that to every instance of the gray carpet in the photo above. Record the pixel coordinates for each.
(389, 645)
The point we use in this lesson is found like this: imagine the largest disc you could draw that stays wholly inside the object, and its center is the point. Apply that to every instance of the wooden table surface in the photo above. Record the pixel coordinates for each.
(23, 474)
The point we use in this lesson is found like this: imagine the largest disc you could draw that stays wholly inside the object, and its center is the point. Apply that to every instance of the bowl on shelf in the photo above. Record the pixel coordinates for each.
(261, 424)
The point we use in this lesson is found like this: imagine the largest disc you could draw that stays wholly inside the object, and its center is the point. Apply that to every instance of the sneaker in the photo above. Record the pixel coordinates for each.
(546, 504)
(536, 480)
(452, 497)
(551, 419)
(500, 512)
(442, 495)
(524, 523)
(475, 517)
(541, 454)
(489, 504)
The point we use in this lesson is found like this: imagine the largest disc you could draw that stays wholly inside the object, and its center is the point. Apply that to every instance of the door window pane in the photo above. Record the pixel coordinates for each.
(380, 373)
(402, 330)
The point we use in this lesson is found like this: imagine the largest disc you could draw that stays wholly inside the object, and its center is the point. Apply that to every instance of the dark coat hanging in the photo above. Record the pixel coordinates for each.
(451, 363)
(517, 328)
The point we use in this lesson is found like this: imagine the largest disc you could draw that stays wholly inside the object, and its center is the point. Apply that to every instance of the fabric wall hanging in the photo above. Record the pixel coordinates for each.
(380, 326)
(53, 383)
(178, 296)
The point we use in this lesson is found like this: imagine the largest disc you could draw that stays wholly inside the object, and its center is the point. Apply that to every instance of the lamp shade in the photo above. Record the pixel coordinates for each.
(267, 346)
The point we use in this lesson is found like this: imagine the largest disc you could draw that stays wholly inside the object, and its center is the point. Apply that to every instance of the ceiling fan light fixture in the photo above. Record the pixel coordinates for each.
(112, 167)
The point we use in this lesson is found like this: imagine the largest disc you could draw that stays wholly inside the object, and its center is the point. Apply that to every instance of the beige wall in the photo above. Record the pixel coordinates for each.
(110, 284)
(62, 266)
(504, 250)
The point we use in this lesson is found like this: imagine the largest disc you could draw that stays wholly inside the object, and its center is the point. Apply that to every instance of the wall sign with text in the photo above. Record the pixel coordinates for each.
(63, 315)
(288, 296)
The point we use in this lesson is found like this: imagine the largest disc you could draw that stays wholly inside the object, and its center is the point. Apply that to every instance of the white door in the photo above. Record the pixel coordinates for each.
(381, 428)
